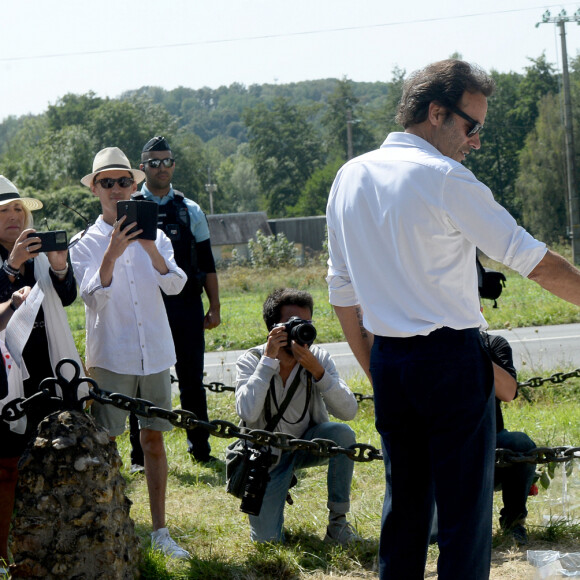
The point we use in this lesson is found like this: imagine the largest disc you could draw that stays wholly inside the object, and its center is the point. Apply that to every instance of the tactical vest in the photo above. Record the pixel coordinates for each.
(174, 221)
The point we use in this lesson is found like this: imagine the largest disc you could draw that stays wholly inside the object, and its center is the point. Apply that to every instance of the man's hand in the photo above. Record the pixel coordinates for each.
(277, 339)
(308, 361)
(212, 318)
(120, 240)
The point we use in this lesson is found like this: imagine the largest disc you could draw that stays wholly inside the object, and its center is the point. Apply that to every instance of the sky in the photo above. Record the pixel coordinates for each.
(50, 48)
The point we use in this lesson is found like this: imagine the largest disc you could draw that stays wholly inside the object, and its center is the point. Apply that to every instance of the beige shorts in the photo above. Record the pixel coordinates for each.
(155, 388)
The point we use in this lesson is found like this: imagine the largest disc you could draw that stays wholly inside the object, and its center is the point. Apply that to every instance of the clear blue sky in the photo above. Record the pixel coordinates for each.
(50, 48)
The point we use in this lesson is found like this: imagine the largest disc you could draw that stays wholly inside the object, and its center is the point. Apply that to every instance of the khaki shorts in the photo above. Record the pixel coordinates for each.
(155, 388)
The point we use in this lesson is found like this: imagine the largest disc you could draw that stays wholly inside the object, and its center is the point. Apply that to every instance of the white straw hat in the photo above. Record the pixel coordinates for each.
(9, 193)
(111, 159)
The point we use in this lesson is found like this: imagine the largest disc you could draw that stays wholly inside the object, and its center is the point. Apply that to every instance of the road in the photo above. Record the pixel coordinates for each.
(540, 349)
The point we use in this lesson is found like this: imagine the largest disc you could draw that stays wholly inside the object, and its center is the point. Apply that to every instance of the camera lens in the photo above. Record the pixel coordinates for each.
(304, 333)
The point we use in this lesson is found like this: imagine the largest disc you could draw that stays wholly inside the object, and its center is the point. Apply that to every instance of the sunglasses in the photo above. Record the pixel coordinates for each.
(155, 163)
(476, 126)
(109, 182)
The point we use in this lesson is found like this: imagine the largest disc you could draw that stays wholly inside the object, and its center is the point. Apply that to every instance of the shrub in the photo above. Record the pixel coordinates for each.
(271, 251)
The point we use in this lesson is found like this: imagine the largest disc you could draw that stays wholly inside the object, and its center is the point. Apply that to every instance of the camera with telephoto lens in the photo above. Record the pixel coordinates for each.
(256, 482)
(300, 330)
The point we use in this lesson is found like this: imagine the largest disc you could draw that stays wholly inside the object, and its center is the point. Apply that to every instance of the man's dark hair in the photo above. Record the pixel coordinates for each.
(271, 311)
(443, 82)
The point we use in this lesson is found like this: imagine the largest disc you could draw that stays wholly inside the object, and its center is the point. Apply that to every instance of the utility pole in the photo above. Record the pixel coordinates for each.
(349, 122)
(211, 188)
(573, 203)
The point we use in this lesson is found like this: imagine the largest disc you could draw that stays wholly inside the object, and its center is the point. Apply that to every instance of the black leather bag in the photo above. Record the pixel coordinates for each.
(237, 467)
(490, 282)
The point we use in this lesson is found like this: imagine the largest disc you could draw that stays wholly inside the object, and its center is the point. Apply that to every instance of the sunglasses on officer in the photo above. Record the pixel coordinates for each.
(155, 163)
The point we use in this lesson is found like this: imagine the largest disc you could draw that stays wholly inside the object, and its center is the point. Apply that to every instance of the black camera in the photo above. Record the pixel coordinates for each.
(144, 213)
(51, 241)
(300, 330)
(258, 477)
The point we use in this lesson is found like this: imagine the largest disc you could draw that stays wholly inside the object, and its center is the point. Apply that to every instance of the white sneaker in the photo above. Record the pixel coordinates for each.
(162, 541)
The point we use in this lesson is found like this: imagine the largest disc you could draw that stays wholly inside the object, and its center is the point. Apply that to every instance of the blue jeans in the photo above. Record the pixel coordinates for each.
(267, 527)
(434, 408)
(516, 479)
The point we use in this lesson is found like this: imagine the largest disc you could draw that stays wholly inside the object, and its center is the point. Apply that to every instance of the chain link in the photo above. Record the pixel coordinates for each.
(555, 379)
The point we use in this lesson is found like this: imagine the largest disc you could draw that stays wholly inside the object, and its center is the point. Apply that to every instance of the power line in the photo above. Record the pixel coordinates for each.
(280, 35)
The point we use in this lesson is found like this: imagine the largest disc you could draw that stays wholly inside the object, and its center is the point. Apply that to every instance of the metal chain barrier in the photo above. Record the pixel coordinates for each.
(555, 379)
(360, 452)
(534, 382)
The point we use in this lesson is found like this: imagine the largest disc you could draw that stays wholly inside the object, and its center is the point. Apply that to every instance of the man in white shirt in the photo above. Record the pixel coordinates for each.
(403, 226)
(129, 348)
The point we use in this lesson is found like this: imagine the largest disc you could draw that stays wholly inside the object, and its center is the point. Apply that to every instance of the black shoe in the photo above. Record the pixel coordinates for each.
(205, 460)
(519, 534)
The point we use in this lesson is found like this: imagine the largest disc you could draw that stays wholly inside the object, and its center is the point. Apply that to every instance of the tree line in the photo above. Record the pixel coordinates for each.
(276, 148)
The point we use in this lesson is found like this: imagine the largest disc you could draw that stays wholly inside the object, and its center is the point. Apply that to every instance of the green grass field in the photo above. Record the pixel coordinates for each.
(243, 290)
(207, 521)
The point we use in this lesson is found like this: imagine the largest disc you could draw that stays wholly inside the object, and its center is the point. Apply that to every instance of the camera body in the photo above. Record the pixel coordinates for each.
(257, 481)
(300, 330)
(143, 212)
(51, 241)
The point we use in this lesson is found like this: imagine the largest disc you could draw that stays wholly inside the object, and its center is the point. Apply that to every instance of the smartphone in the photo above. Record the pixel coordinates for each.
(51, 241)
(143, 212)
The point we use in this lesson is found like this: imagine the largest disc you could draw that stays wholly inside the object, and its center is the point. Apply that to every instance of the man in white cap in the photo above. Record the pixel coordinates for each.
(129, 348)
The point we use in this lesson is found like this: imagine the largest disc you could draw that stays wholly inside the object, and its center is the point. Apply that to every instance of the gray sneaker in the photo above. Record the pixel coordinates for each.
(341, 533)
(162, 541)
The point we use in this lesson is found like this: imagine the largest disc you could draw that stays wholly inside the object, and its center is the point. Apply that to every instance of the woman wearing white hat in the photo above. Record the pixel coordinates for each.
(50, 338)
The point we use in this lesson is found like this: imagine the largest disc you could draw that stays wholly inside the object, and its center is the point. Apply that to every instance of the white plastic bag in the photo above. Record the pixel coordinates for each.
(554, 565)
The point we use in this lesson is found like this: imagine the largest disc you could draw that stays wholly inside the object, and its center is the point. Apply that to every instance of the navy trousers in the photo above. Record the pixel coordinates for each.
(185, 314)
(434, 408)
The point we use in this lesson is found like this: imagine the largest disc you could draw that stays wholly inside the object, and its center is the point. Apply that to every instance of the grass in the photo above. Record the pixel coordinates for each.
(243, 290)
(207, 521)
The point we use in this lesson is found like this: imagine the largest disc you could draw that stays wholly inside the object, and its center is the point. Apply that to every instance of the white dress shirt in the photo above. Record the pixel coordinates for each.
(127, 331)
(404, 222)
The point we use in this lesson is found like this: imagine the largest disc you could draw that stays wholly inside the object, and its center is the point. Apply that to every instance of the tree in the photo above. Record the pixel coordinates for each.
(128, 125)
(346, 130)
(314, 196)
(512, 114)
(541, 182)
(285, 151)
(238, 183)
(496, 162)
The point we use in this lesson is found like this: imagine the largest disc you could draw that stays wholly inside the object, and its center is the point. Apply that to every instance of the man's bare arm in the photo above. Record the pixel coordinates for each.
(505, 385)
(358, 337)
(555, 274)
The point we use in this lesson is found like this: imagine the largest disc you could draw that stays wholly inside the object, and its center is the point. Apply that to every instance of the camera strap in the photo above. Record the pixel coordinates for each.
(273, 421)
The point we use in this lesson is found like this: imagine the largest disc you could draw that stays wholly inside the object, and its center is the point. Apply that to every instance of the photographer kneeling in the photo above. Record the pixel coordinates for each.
(287, 366)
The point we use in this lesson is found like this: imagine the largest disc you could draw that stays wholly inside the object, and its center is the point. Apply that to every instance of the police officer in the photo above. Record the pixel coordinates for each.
(186, 226)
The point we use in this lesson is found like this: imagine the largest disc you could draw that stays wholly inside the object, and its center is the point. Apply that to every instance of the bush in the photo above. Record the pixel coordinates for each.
(271, 251)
